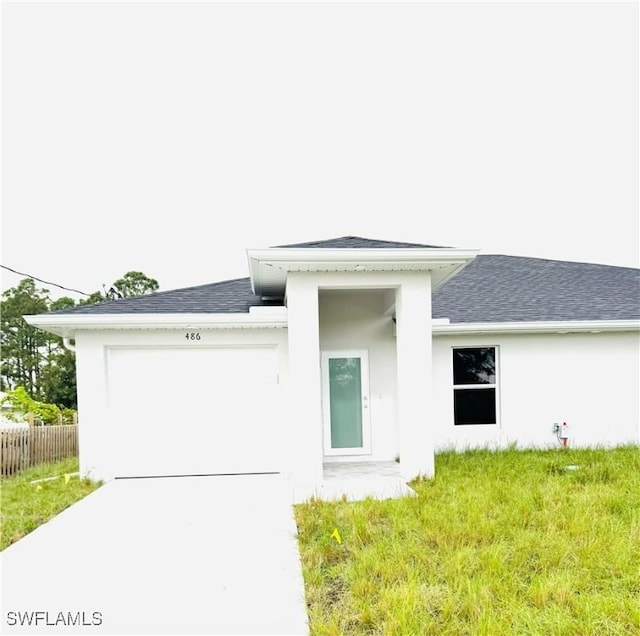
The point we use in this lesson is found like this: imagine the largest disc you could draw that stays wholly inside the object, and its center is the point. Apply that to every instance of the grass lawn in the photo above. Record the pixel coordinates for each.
(25, 506)
(498, 543)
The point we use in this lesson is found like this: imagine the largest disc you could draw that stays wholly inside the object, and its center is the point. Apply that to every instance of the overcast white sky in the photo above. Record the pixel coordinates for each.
(168, 138)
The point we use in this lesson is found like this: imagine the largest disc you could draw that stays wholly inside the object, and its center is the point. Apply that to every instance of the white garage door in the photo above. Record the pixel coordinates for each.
(194, 411)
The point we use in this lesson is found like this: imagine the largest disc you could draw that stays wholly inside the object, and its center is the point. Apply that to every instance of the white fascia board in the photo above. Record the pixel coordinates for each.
(67, 325)
(353, 255)
(335, 259)
(559, 327)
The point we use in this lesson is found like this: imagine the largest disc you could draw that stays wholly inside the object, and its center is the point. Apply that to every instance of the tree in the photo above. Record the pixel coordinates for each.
(37, 360)
(135, 284)
(131, 284)
(23, 346)
(58, 375)
(95, 297)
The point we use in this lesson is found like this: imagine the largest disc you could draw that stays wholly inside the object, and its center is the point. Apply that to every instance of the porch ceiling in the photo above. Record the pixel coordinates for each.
(269, 267)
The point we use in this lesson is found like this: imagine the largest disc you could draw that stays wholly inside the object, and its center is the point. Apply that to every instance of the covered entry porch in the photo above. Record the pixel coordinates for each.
(359, 342)
(360, 376)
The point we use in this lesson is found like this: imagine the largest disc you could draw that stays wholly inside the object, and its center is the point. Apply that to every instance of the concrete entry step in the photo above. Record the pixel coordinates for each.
(355, 481)
(350, 470)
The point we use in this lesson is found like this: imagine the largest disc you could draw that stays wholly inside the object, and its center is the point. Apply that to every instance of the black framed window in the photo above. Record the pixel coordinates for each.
(474, 385)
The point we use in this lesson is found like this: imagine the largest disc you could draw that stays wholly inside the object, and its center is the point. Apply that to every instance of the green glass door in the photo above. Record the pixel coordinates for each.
(345, 402)
(345, 394)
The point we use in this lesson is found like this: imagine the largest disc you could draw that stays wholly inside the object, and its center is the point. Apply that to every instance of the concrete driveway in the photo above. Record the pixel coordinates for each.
(175, 555)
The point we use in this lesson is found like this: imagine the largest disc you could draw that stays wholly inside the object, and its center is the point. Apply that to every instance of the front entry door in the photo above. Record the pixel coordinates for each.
(345, 401)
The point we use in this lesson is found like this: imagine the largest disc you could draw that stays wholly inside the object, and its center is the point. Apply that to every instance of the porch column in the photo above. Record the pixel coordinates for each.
(304, 376)
(413, 342)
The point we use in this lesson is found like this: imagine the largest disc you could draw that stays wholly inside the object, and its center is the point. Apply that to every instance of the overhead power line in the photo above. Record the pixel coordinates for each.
(46, 282)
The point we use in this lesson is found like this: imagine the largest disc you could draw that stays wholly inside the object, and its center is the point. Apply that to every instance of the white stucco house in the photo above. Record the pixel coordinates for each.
(354, 349)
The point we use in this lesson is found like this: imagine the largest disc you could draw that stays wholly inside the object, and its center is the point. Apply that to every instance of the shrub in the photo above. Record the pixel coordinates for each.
(43, 412)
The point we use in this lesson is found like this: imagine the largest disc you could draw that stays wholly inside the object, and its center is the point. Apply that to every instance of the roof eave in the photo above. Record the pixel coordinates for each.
(537, 327)
(68, 325)
(276, 317)
(281, 261)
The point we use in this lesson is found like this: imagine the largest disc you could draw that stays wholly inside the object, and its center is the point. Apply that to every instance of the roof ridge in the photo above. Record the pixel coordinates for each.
(382, 243)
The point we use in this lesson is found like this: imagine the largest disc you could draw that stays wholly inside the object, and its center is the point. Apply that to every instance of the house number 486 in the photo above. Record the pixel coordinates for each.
(192, 335)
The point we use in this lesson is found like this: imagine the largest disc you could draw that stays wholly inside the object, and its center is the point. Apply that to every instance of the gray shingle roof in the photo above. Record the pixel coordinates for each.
(358, 242)
(514, 289)
(229, 296)
(490, 289)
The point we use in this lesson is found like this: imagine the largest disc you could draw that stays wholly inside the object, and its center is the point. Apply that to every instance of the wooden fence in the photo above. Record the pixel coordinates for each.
(22, 448)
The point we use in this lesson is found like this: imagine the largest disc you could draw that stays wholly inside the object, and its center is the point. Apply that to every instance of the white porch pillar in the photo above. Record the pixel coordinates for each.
(305, 381)
(413, 341)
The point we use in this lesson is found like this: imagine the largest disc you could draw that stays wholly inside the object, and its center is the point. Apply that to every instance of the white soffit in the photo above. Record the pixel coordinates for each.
(269, 267)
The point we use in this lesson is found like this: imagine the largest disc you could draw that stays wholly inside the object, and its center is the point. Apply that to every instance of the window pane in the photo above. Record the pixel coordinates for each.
(474, 366)
(474, 406)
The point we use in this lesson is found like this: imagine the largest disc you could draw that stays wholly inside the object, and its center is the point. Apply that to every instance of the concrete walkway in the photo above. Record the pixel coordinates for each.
(181, 555)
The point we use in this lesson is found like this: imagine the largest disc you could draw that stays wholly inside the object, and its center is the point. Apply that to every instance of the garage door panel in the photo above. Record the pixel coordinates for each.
(195, 411)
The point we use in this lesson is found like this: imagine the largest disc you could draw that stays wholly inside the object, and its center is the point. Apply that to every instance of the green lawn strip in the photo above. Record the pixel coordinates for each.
(503, 542)
(24, 506)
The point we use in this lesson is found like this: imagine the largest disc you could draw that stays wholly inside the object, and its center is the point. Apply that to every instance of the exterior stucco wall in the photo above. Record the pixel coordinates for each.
(591, 381)
(99, 444)
(588, 380)
(356, 319)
